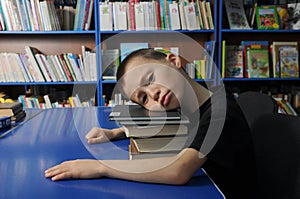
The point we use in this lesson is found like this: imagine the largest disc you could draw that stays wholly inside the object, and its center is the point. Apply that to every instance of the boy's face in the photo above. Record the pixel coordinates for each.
(156, 85)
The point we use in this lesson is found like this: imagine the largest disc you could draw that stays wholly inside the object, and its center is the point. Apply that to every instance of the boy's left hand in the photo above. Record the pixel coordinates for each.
(75, 169)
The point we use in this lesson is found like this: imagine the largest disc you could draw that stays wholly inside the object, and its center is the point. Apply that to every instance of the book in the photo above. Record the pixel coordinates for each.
(155, 130)
(139, 113)
(120, 15)
(267, 17)
(141, 148)
(5, 122)
(209, 47)
(294, 15)
(33, 63)
(190, 16)
(288, 61)
(209, 15)
(183, 120)
(131, 15)
(167, 50)
(110, 63)
(275, 54)
(236, 14)
(10, 109)
(174, 16)
(256, 59)
(139, 14)
(223, 58)
(182, 15)
(204, 14)
(127, 48)
(106, 16)
(18, 117)
(200, 68)
(234, 61)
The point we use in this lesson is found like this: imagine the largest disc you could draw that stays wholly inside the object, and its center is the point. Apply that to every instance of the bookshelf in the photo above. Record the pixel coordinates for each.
(271, 85)
(50, 42)
(166, 38)
(54, 42)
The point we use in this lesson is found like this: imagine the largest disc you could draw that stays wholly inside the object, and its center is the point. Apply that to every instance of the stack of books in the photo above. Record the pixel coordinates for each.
(13, 110)
(152, 133)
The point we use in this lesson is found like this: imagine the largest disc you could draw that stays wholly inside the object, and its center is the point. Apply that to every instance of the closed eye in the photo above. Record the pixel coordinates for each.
(150, 79)
(144, 99)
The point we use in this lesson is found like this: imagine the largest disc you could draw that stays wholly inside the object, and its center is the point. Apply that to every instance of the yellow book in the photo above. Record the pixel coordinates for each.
(223, 58)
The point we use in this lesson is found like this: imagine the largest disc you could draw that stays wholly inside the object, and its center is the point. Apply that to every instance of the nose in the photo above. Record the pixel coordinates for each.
(154, 93)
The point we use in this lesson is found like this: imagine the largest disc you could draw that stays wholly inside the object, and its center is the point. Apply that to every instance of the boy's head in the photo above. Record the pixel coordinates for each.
(152, 79)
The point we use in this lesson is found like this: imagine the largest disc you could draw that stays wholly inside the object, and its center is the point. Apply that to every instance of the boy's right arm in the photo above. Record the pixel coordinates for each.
(99, 135)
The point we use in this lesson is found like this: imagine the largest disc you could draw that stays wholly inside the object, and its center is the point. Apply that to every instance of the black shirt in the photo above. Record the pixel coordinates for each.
(229, 148)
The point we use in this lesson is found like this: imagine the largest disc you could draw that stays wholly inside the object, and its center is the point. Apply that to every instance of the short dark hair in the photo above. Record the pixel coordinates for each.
(147, 53)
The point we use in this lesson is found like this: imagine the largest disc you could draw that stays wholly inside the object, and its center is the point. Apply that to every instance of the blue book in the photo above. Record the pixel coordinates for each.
(209, 47)
(5, 122)
(127, 48)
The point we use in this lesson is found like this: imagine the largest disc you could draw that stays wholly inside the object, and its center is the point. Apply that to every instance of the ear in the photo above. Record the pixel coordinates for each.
(174, 59)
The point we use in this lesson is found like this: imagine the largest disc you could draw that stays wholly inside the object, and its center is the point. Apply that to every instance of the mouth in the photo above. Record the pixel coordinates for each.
(165, 99)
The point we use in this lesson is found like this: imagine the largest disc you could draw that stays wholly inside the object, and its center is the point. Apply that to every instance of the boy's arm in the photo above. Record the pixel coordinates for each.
(99, 135)
(168, 170)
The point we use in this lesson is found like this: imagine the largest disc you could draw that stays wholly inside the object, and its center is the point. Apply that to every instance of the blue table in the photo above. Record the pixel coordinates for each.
(56, 135)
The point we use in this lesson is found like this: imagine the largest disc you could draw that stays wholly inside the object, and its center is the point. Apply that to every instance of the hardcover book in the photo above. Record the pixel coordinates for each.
(155, 130)
(5, 122)
(136, 112)
(257, 59)
(174, 16)
(190, 16)
(10, 109)
(127, 48)
(140, 148)
(234, 61)
(236, 14)
(267, 17)
(289, 62)
(275, 54)
(106, 16)
(110, 63)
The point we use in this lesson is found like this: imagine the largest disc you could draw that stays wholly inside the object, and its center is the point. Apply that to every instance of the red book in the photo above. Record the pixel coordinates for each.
(65, 67)
(157, 7)
(131, 15)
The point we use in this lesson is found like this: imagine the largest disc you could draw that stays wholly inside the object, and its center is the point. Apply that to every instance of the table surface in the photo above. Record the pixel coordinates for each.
(56, 135)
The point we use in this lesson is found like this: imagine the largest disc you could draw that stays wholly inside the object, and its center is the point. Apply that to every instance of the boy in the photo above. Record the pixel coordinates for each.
(220, 139)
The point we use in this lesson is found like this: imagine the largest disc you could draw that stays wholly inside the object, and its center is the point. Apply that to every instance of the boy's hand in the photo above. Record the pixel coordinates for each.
(75, 169)
(99, 135)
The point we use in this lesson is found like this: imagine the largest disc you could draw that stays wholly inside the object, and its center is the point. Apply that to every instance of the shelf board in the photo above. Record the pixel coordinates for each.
(155, 31)
(258, 31)
(48, 32)
(109, 81)
(261, 79)
(45, 83)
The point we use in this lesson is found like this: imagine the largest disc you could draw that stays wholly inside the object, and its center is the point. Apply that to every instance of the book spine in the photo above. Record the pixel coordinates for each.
(65, 67)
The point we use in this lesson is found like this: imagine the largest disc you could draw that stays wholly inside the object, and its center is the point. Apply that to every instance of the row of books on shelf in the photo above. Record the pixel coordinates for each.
(255, 14)
(34, 66)
(260, 59)
(151, 133)
(156, 15)
(285, 107)
(45, 102)
(35, 15)
(201, 68)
